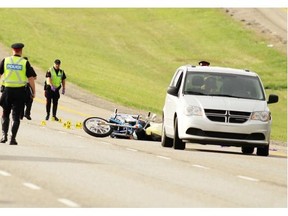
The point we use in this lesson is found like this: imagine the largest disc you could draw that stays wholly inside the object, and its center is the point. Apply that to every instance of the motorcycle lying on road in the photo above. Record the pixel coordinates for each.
(121, 125)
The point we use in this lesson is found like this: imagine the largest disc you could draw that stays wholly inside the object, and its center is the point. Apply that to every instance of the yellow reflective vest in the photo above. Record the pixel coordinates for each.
(14, 72)
(56, 79)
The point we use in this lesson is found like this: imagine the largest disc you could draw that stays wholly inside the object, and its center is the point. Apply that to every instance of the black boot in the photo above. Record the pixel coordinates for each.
(13, 140)
(14, 130)
(4, 138)
(28, 110)
(5, 127)
(47, 116)
(28, 117)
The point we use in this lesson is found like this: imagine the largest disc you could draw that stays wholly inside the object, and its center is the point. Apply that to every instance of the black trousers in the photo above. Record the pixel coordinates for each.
(12, 100)
(27, 103)
(52, 97)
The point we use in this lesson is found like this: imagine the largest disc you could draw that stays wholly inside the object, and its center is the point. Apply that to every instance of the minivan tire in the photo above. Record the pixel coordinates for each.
(166, 141)
(177, 142)
(247, 149)
(263, 151)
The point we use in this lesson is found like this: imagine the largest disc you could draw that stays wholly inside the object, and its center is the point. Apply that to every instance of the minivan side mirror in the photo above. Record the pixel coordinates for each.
(272, 99)
(172, 90)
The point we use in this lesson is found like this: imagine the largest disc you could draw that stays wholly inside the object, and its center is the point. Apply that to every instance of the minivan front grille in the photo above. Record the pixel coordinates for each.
(227, 116)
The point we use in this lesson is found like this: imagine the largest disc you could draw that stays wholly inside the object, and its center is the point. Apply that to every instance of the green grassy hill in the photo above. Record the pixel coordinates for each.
(128, 56)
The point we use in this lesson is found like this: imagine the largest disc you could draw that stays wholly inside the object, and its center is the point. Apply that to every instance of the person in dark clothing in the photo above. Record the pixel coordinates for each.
(28, 97)
(55, 79)
(14, 71)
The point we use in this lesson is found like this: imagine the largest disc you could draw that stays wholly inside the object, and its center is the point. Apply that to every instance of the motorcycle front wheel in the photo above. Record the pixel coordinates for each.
(97, 127)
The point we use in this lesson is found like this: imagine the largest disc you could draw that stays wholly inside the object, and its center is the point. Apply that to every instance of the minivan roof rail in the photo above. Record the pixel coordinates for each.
(190, 65)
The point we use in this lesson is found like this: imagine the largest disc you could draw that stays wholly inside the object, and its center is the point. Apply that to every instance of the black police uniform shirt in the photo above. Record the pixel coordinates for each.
(33, 72)
(29, 70)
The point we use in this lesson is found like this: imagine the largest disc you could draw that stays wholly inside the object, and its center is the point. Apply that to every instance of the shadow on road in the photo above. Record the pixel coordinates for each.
(273, 154)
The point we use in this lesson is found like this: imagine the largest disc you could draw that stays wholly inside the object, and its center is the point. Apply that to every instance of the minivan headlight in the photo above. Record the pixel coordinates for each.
(261, 116)
(193, 110)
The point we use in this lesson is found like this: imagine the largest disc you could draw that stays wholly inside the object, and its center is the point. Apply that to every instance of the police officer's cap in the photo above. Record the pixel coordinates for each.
(57, 62)
(204, 63)
(17, 46)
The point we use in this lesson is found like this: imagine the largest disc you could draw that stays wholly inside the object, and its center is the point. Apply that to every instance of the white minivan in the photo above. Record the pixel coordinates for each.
(217, 105)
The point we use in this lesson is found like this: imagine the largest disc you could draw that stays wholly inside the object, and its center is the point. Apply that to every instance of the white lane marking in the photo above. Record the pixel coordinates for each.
(200, 166)
(248, 178)
(105, 143)
(68, 202)
(31, 186)
(163, 157)
(130, 149)
(4, 173)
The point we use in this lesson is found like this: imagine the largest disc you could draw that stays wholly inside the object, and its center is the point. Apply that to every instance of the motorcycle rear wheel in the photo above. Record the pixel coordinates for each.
(97, 127)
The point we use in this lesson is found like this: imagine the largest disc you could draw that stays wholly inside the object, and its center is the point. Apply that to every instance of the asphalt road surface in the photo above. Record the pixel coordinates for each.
(54, 166)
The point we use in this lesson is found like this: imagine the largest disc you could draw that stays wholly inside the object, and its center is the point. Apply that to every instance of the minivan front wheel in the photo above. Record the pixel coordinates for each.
(177, 142)
(166, 141)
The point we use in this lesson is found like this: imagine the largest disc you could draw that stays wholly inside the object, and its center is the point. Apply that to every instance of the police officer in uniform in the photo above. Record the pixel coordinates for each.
(15, 72)
(55, 79)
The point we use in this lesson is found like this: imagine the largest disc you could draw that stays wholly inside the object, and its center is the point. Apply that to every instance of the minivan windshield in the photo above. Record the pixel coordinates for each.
(222, 84)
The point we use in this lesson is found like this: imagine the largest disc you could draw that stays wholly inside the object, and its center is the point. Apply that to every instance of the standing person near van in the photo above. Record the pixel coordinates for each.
(15, 71)
(55, 79)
